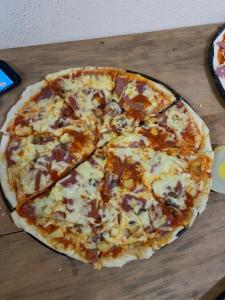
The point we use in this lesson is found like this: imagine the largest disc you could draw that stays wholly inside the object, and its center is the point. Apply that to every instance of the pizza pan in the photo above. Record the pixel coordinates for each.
(178, 98)
(210, 61)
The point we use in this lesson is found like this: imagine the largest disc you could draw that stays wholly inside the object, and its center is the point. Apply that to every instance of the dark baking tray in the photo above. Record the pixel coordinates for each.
(210, 61)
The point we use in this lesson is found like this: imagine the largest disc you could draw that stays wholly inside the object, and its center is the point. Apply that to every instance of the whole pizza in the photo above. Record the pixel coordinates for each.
(104, 165)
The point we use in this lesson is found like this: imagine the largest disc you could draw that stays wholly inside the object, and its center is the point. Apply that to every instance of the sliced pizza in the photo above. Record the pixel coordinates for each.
(32, 164)
(121, 204)
(140, 96)
(39, 109)
(104, 165)
(86, 90)
(177, 127)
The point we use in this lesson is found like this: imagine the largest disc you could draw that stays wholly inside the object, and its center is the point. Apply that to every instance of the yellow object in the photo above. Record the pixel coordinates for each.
(221, 170)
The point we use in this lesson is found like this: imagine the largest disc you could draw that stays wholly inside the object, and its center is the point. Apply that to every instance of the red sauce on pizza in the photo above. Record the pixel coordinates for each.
(20, 120)
(136, 106)
(114, 252)
(125, 169)
(158, 140)
(92, 255)
(63, 240)
(119, 171)
(49, 229)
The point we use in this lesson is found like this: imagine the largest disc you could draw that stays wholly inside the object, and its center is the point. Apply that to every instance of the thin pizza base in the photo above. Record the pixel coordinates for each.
(7, 189)
(145, 252)
(28, 93)
(205, 144)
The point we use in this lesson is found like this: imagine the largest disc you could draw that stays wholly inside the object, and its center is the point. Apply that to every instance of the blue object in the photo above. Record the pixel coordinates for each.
(5, 81)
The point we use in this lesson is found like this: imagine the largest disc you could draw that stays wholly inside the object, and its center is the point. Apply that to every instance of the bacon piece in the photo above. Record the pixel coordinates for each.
(92, 161)
(20, 120)
(179, 104)
(61, 154)
(66, 112)
(54, 175)
(128, 198)
(70, 179)
(178, 187)
(125, 203)
(94, 212)
(140, 87)
(100, 98)
(121, 83)
(37, 180)
(69, 204)
(92, 255)
(136, 106)
(72, 101)
(13, 145)
(108, 183)
(137, 144)
(59, 214)
(46, 93)
(27, 211)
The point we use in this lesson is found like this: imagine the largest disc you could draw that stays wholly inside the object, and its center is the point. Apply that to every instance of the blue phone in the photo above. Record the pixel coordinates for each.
(8, 77)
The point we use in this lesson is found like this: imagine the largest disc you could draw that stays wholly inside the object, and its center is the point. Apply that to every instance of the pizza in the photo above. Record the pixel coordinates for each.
(218, 57)
(104, 165)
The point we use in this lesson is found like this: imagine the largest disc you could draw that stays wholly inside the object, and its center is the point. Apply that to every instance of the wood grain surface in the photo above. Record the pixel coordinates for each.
(186, 269)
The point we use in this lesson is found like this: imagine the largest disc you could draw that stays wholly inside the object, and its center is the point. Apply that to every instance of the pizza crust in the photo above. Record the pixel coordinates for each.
(205, 143)
(120, 261)
(29, 228)
(29, 92)
(53, 76)
(7, 189)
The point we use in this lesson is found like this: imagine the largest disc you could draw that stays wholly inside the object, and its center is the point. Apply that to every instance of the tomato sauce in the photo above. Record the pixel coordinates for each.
(136, 106)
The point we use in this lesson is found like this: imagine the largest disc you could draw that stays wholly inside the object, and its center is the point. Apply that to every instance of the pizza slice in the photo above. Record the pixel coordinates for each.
(134, 99)
(39, 109)
(29, 165)
(177, 127)
(86, 90)
(140, 96)
(120, 205)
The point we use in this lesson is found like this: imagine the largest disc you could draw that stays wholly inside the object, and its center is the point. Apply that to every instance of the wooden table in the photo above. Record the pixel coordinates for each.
(186, 269)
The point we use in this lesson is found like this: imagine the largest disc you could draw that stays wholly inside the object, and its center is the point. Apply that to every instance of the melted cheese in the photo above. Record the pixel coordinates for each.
(131, 90)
